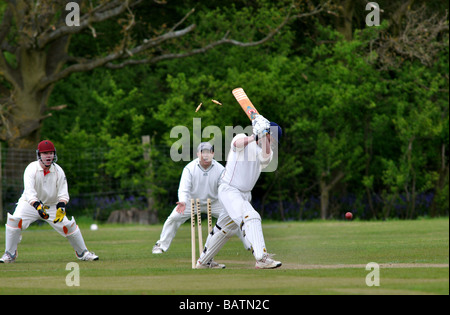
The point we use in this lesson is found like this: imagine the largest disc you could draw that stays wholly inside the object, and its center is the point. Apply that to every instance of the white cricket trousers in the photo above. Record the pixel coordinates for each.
(28, 214)
(175, 220)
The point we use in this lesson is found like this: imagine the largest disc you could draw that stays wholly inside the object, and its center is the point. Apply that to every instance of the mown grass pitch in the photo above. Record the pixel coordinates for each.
(318, 258)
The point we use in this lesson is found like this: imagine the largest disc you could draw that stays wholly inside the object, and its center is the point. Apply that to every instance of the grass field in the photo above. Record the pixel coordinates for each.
(318, 258)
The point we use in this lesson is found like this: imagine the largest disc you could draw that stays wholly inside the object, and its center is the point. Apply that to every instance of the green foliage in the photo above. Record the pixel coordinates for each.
(340, 114)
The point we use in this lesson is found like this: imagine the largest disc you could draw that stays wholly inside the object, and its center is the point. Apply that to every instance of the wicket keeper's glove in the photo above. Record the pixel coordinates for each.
(42, 209)
(60, 212)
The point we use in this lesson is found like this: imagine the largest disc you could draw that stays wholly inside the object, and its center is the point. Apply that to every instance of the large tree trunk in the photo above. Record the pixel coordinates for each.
(25, 120)
(344, 20)
(324, 199)
(325, 189)
(29, 98)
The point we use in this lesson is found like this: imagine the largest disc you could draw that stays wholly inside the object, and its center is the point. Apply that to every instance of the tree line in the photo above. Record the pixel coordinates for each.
(364, 110)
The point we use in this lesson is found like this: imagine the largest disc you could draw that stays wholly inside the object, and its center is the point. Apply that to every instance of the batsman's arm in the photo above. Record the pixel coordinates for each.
(266, 152)
(241, 142)
(260, 129)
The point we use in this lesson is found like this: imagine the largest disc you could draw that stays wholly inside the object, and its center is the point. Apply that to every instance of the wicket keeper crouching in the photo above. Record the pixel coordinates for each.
(44, 197)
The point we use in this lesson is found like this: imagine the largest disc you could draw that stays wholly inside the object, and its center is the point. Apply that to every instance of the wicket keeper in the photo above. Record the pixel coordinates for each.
(45, 197)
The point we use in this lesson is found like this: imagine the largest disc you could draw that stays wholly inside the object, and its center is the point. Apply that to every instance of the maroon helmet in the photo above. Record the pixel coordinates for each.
(46, 146)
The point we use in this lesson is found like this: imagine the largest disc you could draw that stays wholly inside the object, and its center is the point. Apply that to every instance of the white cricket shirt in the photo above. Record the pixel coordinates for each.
(197, 182)
(244, 165)
(49, 188)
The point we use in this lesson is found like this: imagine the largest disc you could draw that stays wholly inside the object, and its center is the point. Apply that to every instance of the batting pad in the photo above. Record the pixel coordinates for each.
(73, 235)
(12, 239)
(254, 234)
(12, 233)
(213, 245)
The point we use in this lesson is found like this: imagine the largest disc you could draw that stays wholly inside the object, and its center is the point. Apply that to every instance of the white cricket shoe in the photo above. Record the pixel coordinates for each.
(7, 258)
(267, 262)
(157, 249)
(211, 265)
(87, 256)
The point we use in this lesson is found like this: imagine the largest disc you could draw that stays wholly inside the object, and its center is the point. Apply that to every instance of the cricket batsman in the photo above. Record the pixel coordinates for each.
(45, 197)
(199, 179)
(247, 157)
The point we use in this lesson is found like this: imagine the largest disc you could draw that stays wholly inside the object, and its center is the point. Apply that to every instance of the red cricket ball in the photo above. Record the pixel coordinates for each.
(349, 216)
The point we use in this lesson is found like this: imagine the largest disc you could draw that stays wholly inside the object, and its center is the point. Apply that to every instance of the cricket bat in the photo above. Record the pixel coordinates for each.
(245, 103)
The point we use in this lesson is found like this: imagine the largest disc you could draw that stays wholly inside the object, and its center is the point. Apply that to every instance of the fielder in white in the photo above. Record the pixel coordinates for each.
(199, 179)
(247, 157)
(45, 197)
